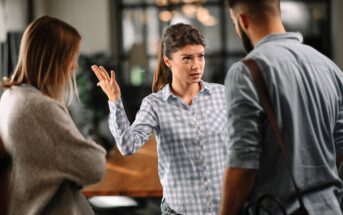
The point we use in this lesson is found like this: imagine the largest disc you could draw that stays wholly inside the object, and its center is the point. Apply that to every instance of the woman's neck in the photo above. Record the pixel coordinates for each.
(186, 91)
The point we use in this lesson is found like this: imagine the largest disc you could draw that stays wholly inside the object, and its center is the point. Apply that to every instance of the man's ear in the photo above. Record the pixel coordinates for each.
(244, 21)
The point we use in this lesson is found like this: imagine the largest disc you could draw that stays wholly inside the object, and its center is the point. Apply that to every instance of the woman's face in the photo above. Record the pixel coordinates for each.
(74, 64)
(187, 64)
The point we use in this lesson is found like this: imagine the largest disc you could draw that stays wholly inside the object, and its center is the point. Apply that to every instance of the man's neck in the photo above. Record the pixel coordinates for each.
(261, 32)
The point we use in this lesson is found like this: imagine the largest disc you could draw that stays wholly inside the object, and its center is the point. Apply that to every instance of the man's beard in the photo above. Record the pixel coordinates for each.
(247, 44)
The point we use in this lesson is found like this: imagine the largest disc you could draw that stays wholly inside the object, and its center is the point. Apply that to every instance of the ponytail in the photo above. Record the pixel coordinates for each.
(162, 73)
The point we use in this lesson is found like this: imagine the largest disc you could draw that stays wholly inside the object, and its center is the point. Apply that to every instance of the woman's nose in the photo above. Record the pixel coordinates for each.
(195, 64)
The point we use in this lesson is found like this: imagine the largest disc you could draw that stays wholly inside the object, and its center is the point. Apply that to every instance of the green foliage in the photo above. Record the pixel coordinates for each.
(92, 97)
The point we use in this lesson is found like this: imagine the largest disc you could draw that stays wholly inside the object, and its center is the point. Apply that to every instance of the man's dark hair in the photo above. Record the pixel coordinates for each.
(262, 3)
(259, 10)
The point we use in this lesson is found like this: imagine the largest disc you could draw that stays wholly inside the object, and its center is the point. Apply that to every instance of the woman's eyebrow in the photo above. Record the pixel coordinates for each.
(186, 54)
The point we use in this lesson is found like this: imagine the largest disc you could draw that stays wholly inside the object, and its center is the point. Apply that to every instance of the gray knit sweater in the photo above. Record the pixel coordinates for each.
(51, 159)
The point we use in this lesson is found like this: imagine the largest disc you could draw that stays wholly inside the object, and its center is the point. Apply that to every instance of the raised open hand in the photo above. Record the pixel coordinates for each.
(108, 84)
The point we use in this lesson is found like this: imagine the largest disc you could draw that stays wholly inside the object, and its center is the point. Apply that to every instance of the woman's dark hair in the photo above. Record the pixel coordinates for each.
(174, 38)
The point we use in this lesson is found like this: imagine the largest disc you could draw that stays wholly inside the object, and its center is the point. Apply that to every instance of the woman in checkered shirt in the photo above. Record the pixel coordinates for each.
(189, 118)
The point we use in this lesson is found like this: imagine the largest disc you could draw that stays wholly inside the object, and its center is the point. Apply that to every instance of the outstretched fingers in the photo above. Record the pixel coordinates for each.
(113, 77)
(100, 73)
(97, 72)
(104, 73)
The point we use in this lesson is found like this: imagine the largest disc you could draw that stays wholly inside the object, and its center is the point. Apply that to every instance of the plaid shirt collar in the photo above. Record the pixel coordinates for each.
(167, 93)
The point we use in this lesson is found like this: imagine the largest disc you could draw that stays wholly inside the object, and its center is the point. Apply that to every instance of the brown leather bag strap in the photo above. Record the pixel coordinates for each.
(262, 91)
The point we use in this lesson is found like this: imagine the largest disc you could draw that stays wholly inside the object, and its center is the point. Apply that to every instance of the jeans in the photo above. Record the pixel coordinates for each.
(166, 210)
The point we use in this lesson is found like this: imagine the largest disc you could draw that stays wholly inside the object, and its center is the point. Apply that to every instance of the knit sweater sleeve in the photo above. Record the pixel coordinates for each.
(76, 159)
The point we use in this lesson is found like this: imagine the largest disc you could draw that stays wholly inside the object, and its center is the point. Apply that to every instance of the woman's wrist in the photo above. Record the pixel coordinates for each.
(114, 98)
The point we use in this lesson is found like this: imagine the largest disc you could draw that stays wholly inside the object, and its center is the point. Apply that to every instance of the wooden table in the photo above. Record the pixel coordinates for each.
(134, 175)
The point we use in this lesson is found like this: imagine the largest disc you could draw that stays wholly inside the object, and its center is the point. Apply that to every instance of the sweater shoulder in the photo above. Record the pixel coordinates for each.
(23, 104)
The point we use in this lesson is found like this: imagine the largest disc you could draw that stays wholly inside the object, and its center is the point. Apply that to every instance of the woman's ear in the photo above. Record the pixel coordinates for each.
(166, 61)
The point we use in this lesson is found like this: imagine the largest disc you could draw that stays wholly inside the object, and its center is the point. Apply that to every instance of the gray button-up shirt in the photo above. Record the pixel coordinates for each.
(191, 144)
(306, 92)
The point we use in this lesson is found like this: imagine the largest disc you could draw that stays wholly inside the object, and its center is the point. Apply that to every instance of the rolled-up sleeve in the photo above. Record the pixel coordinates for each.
(245, 119)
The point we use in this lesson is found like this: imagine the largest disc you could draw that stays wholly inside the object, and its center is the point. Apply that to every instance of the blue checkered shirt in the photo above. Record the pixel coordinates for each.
(191, 144)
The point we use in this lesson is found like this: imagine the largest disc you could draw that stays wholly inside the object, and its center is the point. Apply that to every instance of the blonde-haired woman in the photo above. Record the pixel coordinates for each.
(51, 159)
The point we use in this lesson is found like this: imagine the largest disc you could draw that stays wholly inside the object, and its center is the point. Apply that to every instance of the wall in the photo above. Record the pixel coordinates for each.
(90, 17)
(16, 12)
(13, 16)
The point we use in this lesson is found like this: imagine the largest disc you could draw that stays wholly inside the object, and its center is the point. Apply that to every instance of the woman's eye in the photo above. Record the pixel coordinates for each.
(186, 58)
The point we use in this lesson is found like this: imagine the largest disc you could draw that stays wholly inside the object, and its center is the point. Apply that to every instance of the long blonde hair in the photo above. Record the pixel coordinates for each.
(47, 49)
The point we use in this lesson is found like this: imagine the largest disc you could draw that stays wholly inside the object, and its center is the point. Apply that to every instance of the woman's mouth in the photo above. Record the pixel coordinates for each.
(195, 74)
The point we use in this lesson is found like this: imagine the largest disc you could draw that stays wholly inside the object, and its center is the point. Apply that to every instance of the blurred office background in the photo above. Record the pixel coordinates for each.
(124, 35)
